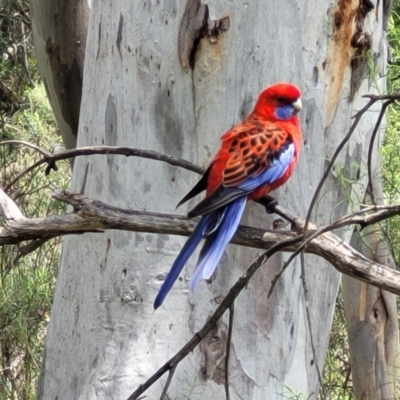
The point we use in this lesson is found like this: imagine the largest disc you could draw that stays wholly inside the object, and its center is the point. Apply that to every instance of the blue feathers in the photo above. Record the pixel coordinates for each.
(285, 112)
(215, 243)
(179, 263)
(217, 227)
(279, 164)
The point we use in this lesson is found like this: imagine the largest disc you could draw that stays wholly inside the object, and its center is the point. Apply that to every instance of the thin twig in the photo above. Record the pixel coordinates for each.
(357, 118)
(22, 174)
(51, 159)
(382, 97)
(168, 382)
(308, 315)
(27, 144)
(27, 249)
(356, 218)
(371, 145)
(228, 350)
(299, 250)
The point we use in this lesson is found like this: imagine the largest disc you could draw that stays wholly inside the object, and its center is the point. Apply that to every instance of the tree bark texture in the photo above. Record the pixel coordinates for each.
(371, 317)
(104, 338)
(59, 31)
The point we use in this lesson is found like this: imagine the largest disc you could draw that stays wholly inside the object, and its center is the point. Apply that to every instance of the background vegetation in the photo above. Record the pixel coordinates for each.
(27, 283)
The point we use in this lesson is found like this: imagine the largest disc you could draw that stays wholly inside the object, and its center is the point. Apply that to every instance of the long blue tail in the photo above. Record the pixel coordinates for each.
(218, 227)
(215, 244)
(179, 263)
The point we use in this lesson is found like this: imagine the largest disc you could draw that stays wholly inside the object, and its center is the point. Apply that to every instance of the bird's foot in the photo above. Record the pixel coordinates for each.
(269, 203)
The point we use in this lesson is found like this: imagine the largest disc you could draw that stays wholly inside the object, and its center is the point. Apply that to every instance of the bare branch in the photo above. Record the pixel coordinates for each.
(25, 250)
(385, 105)
(95, 216)
(27, 144)
(376, 97)
(361, 217)
(308, 314)
(228, 350)
(357, 118)
(168, 383)
(51, 159)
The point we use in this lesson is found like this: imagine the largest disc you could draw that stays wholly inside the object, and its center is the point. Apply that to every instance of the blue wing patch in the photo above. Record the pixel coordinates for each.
(279, 164)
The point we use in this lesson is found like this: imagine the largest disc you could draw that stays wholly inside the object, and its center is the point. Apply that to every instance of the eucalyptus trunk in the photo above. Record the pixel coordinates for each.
(156, 76)
(371, 315)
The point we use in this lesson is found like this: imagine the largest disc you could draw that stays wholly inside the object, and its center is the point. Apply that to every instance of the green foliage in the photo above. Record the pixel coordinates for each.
(391, 149)
(337, 384)
(26, 283)
(16, 53)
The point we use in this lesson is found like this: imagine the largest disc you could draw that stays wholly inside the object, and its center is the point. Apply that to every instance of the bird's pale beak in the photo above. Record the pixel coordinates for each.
(298, 105)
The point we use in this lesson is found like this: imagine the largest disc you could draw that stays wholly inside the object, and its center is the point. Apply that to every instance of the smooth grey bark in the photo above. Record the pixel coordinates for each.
(371, 316)
(104, 338)
(59, 31)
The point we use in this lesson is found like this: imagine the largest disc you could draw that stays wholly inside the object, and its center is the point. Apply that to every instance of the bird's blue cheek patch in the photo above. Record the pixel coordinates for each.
(285, 112)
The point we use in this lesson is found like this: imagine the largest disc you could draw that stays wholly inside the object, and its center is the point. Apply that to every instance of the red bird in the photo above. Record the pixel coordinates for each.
(256, 157)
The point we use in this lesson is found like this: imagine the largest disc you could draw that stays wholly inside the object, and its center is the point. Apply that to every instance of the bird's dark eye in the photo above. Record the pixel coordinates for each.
(281, 100)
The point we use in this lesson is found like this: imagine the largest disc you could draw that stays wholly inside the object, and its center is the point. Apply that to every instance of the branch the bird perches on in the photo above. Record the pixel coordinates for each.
(91, 215)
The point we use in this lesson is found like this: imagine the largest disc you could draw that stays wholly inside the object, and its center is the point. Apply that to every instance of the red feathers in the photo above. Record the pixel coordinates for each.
(273, 97)
(246, 147)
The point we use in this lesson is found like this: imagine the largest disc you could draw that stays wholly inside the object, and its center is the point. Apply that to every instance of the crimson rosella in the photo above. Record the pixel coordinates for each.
(256, 156)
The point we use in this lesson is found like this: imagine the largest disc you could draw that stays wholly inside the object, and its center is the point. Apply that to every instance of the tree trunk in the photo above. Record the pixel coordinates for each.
(371, 313)
(59, 31)
(371, 316)
(104, 338)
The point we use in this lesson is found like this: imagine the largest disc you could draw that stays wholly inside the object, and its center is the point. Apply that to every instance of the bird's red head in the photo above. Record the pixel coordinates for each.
(279, 102)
